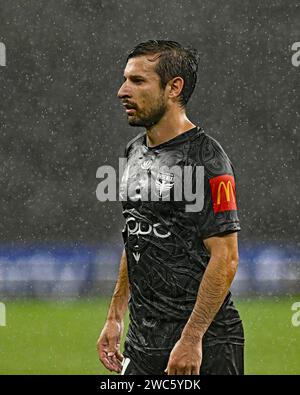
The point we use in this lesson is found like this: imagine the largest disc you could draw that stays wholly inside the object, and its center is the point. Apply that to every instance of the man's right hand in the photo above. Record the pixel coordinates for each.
(108, 345)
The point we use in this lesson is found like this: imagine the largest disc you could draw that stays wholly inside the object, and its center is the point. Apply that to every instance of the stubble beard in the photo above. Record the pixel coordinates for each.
(151, 118)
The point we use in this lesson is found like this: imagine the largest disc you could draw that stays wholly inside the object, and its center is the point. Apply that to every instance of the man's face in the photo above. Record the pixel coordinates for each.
(141, 93)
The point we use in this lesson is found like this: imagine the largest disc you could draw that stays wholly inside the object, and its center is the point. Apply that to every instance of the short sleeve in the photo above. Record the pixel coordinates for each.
(220, 210)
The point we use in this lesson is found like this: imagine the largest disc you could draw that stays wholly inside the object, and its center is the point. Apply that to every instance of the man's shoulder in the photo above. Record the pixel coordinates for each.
(211, 154)
(207, 143)
(136, 140)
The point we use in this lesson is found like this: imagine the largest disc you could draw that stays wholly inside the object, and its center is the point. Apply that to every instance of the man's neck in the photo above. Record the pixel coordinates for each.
(170, 126)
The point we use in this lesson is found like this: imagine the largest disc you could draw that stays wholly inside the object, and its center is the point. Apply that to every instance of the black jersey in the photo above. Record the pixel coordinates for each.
(163, 236)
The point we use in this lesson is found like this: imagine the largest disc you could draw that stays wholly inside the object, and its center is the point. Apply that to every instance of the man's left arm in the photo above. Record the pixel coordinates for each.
(186, 356)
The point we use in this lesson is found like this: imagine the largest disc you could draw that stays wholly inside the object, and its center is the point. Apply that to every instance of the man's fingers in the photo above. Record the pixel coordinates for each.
(109, 354)
(171, 371)
(112, 346)
(103, 358)
(195, 372)
(108, 345)
(166, 371)
(116, 362)
(119, 356)
(102, 345)
(107, 357)
(181, 371)
(111, 365)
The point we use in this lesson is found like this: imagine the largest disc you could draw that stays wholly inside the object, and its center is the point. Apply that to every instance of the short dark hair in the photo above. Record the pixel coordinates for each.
(174, 61)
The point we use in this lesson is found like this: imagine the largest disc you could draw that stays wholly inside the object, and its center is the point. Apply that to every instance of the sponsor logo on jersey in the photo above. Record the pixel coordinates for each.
(136, 229)
(223, 193)
(140, 228)
(136, 255)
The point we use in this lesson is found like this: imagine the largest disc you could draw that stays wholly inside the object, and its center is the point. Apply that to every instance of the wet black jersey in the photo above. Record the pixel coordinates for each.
(174, 196)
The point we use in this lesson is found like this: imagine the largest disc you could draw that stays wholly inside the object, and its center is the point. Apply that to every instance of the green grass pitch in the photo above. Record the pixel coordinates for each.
(43, 337)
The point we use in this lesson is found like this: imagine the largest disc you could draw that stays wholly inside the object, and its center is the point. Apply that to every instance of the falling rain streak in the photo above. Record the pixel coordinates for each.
(2, 54)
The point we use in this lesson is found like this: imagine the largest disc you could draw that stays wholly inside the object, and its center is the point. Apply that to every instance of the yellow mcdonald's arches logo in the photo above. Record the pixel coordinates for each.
(228, 191)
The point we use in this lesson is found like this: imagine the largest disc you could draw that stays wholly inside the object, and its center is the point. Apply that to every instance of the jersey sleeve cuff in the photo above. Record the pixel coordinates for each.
(222, 229)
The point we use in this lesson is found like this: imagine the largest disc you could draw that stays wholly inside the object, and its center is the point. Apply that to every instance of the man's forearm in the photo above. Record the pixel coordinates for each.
(213, 289)
(119, 301)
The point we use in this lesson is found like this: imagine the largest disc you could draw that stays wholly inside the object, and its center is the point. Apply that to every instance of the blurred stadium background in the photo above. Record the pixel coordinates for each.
(60, 120)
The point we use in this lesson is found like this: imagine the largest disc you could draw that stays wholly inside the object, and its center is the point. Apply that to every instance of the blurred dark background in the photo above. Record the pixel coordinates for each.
(60, 120)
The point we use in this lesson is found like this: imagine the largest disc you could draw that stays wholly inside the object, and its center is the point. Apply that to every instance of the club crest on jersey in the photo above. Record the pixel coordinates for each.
(223, 193)
(163, 183)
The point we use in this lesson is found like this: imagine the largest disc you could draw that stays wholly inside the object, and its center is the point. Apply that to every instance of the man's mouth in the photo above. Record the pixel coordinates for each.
(130, 108)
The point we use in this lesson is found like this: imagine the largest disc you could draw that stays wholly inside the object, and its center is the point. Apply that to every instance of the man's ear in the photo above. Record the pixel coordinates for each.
(175, 87)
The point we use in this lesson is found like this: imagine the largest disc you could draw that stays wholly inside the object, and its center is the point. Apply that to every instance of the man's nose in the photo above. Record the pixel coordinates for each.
(123, 91)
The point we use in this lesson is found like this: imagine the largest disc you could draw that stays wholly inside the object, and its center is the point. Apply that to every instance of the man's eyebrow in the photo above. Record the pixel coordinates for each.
(135, 76)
